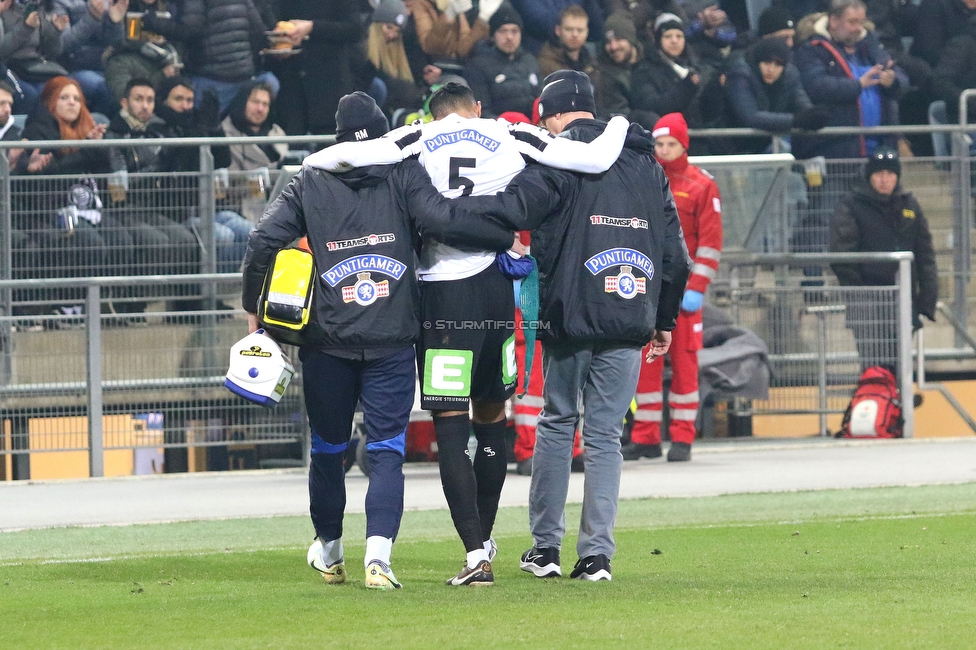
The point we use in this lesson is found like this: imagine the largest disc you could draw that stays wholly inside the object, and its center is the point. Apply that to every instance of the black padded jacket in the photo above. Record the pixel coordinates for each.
(612, 258)
(363, 228)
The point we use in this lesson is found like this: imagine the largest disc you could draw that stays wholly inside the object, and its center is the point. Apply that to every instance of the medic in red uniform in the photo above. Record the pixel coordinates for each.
(700, 210)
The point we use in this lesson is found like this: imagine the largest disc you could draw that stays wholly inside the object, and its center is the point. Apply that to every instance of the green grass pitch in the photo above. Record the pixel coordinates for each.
(873, 568)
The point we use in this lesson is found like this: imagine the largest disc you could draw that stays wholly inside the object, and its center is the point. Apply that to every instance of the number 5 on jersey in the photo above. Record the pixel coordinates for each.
(448, 373)
(455, 180)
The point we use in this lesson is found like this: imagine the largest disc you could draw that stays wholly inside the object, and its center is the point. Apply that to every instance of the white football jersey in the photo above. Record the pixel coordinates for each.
(472, 156)
(464, 157)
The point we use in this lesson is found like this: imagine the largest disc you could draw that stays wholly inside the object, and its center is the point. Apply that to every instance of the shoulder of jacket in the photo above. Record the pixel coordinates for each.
(704, 173)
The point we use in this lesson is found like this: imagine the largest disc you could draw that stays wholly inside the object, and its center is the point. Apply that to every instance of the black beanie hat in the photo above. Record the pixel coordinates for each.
(773, 19)
(504, 15)
(566, 91)
(359, 118)
(883, 158)
(771, 49)
(167, 85)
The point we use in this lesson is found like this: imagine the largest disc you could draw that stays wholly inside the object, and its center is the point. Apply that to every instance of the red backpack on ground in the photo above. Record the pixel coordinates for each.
(875, 409)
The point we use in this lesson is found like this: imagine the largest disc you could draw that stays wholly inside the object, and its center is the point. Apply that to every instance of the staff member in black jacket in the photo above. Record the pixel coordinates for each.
(612, 270)
(362, 227)
(879, 216)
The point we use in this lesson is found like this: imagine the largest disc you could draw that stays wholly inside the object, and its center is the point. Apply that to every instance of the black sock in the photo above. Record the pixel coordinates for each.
(457, 478)
(490, 467)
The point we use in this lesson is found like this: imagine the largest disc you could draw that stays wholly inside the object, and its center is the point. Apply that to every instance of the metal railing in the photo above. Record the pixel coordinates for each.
(814, 369)
(46, 374)
(961, 173)
(93, 383)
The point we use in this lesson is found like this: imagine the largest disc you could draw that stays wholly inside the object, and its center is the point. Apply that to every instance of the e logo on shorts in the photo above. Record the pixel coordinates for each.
(447, 372)
(509, 365)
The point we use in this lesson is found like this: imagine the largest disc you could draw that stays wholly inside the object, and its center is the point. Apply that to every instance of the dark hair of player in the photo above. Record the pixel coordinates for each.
(451, 98)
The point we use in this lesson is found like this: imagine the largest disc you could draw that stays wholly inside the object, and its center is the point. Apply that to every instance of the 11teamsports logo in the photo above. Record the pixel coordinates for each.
(368, 240)
(620, 222)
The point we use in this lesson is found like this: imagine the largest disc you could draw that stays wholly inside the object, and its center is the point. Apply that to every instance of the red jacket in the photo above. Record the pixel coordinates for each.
(700, 210)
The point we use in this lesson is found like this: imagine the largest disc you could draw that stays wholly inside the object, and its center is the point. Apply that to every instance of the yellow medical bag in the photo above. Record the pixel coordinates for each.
(286, 299)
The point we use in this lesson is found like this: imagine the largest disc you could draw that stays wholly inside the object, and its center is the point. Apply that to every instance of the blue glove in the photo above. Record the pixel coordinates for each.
(692, 300)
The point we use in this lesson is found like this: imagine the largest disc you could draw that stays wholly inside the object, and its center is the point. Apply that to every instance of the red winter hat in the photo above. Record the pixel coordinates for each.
(672, 124)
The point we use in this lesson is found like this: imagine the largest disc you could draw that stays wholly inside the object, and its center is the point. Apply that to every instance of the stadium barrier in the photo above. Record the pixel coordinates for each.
(771, 205)
(97, 394)
(814, 361)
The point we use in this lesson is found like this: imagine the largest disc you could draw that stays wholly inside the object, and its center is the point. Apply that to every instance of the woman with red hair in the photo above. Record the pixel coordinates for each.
(63, 216)
(62, 115)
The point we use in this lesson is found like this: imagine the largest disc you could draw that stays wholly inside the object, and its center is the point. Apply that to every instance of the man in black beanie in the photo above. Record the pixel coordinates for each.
(359, 118)
(358, 346)
(504, 76)
(566, 91)
(880, 216)
(612, 272)
(469, 372)
(619, 53)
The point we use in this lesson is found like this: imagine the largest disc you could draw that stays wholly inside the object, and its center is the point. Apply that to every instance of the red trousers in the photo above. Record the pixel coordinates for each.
(527, 409)
(686, 340)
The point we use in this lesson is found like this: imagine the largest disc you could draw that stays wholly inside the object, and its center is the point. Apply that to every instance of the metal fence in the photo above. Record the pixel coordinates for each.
(154, 352)
(99, 395)
(787, 207)
(821, 338)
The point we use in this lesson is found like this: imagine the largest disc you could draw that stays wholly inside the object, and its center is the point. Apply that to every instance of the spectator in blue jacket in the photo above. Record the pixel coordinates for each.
(765, 92)
(710, 32)
(94, 26)
(845, 68)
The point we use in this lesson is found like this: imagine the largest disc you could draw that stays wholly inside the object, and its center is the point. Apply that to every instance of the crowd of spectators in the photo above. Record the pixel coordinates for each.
(857, 63)
(139, 69)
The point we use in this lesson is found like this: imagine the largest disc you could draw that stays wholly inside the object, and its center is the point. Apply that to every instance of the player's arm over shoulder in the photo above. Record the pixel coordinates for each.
(393, 147)
(445, 220)
(593, 157)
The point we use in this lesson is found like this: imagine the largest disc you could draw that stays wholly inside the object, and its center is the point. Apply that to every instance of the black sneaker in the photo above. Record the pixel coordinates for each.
(541, 562)
(593, 568)
(635, 450)
(480, 576)
(680, 452)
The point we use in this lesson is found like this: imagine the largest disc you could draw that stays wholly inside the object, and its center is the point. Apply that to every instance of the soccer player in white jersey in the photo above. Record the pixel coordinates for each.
(467, 351)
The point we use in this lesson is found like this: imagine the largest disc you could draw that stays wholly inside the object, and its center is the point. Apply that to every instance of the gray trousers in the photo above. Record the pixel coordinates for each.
(603, 379)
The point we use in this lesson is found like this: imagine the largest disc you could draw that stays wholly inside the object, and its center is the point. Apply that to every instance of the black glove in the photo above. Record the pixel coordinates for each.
(208, 113)
(811, 119)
